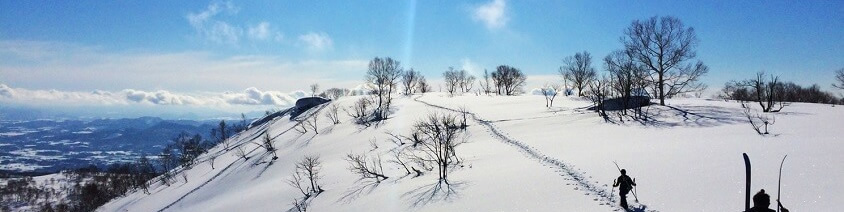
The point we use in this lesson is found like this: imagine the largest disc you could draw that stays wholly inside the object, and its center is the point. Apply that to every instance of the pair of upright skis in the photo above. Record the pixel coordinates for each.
(747, 182)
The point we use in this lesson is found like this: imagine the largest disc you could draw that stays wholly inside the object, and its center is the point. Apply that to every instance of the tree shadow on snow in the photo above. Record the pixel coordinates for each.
(359, 189)
(264, 169)
(435, 192)
(678, 116)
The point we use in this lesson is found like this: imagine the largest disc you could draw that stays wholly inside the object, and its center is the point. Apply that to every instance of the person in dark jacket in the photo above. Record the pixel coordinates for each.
(761, 201)
(625, 184)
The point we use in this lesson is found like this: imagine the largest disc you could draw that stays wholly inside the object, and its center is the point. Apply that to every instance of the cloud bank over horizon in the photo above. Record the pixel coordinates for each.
(248, 96)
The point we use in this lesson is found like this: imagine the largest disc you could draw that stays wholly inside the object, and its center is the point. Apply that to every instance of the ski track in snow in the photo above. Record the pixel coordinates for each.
(262, 129)
(582, 182)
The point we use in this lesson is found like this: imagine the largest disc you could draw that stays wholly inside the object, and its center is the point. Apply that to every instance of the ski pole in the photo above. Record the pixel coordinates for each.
(612, 190)
(635, 188)
(779, 184)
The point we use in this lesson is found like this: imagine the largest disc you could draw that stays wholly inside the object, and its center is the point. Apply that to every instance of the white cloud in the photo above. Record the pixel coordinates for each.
(199, 19)
(163, 97)
(492, 15)
(208, 27)
(254, 96)
(316, 41)
(73, 67)
(250, 96)
(5, 91)
(263, 31)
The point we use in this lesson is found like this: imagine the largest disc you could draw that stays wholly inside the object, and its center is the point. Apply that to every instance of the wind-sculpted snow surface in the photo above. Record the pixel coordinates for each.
(581, 180)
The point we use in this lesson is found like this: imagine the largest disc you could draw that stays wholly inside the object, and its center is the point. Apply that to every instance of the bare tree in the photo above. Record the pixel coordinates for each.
(310, 166)
(663, 45)
(550, 92)
(508, 80)
(314, 89)
(365, 167)
(839, 76)
(765, 92)
(333, 113)
(441, 135)
(383, 73)
(599, 91)
(410, 80)
(579, 68)
(335, 93)
(566, 78)
(467, 81)
(452, 80)
(223, 135)
(423, 86)
(485, 86)
(626, 76)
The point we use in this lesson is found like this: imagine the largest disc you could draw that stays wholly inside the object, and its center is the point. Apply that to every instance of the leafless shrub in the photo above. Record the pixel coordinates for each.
(301, 127)
(333, 113)
(311, 122)
(759, 122)
(416, 138)
(550, 92)
(297, 182)
(301, 206)
(267, 144)
(373, 143)
(464, 113)
(396, 139)
(360, 111)
(238, 151)
(365, 167)
(211, 159)
(441, 135)
(399, 158)
(310, 167)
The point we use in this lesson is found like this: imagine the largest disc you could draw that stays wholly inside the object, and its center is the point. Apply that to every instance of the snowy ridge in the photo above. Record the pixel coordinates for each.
(581, 180)
(693, 150)
(240, 142)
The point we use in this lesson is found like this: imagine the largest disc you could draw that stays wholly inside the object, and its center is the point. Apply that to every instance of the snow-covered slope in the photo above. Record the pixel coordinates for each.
(522, 156)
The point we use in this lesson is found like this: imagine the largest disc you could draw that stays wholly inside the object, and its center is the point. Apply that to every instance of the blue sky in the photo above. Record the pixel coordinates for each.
(213, 51)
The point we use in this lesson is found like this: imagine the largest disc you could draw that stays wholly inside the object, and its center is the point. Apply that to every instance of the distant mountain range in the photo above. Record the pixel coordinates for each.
(52, 145)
